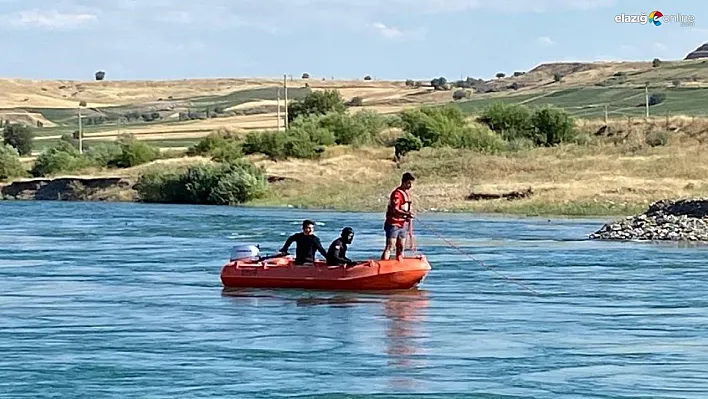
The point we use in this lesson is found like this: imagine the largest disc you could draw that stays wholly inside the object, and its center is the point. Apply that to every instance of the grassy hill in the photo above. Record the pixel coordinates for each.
(177, 113)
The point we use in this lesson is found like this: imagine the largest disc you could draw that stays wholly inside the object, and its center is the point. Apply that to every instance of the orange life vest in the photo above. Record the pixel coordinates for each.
(391, 217)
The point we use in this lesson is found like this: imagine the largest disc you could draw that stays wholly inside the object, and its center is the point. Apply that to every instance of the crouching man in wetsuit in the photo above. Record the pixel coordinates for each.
(307, 243)
(337, 253)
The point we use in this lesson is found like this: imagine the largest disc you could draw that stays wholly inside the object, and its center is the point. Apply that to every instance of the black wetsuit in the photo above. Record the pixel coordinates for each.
(306, 247)
(337, 253)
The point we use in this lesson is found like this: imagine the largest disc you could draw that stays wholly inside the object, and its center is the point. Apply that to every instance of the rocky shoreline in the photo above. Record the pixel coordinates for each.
(674, 220)
(70, 189)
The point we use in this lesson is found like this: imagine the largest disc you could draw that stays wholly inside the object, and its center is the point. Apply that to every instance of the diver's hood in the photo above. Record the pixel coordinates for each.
(347, 235)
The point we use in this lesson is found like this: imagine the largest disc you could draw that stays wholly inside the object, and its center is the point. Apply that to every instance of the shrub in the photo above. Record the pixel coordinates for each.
(229, 183)
(439, 83)
(367, 77)
(10, 165)
(510, 120)
(460, 94)
(100, 75)
(316, 103)
(270, 143)
(557, 77)
(133, 153)
(545, 126)
(476, 137)
(656, 98)
(103, 155)
(18, 136)
(500, 75)
(305, 139)
(656, 62)
(211, 143)
(406, 144)
(231, 151)
(552, 126)
(356, 102)
(431, 124)
(62, 157)
(305, 75)
(361, 128)
(311, 128)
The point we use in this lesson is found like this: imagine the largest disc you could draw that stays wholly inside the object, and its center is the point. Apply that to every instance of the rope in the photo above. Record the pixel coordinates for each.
(469, 256)
(412, 246)
(411, 237)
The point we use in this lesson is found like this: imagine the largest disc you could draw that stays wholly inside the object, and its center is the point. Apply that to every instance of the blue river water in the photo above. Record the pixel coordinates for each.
(103, 300)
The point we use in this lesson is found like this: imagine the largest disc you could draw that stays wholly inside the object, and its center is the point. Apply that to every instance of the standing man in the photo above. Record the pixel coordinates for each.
(397, 214)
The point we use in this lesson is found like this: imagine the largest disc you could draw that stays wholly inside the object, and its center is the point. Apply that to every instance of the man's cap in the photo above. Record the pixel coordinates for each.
(407, 177)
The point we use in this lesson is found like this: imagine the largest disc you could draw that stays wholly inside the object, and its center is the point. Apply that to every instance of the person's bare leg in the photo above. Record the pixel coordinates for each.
(400, 245)
(390, 243)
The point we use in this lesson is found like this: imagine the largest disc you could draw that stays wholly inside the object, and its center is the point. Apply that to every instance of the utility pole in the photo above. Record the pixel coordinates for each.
(646, 95)
(81, 134)
(285, 85)
(279, 120)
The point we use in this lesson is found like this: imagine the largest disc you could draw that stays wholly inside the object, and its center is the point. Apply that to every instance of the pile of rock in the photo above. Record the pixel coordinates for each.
(681, 220)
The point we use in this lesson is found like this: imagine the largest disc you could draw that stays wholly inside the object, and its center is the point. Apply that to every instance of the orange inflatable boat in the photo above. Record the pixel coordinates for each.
(366, 275)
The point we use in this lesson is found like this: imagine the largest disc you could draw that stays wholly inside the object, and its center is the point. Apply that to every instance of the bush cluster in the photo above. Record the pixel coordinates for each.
(19, 137)
(308, 135)
(65, 157)
(547, 126)
(225, 183)
(321, 121)
(444, 127)
(10, 165)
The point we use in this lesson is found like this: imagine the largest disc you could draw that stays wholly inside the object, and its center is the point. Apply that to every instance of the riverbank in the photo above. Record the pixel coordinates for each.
(602, 179)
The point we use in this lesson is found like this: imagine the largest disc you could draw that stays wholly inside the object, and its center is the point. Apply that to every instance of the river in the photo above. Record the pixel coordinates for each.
(124, 301)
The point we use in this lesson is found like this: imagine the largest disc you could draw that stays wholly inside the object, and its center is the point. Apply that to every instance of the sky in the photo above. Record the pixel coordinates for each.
(341, 39)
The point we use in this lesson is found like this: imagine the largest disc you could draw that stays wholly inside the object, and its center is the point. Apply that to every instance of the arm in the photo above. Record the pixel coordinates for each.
(288, 243)
(320, 248)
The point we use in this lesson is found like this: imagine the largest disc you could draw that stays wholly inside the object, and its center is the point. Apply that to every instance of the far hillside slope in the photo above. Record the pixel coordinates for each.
(179, 112)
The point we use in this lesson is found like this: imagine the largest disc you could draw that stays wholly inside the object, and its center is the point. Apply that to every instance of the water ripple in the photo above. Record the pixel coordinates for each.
(124, 300)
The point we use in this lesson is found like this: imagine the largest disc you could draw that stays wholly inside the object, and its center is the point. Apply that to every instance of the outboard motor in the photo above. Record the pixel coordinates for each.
(245, 252)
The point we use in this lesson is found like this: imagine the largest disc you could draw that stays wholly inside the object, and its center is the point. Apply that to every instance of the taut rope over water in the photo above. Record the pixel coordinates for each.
(470, 256)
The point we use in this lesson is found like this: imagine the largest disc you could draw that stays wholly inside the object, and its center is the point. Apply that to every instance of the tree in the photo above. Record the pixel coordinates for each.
(655, 62)
(100, 75)
(316, 103)
(306, 75)
(20, 137)
(367, 77)
(439, 83)
(500, 75)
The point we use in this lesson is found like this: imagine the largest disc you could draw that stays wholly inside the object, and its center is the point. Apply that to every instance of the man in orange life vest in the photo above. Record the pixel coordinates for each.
(397, 214)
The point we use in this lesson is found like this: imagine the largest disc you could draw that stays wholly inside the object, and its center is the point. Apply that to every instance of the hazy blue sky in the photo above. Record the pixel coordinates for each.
(388, 39)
